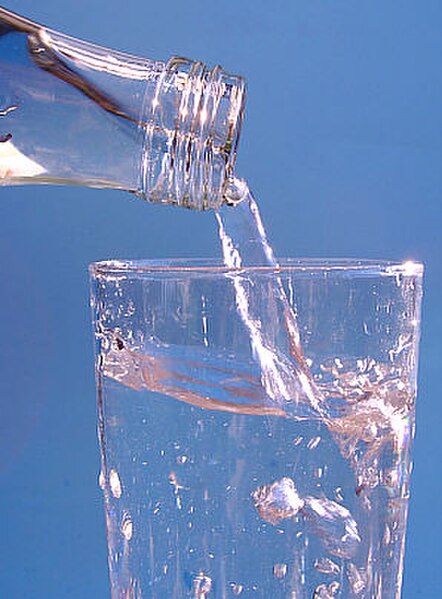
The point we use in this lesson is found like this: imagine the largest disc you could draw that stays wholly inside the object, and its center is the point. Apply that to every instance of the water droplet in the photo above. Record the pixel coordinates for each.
(237, 589)
(127, 527)
(334, 525)
(202, 584)
(277, 501)
(115, 484)
(356, 578)
(327, 566)
(279, 570)
(236, 190)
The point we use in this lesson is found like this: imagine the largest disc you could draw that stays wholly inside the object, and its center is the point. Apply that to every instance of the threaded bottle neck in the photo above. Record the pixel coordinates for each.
(192, 121)
(86, 115)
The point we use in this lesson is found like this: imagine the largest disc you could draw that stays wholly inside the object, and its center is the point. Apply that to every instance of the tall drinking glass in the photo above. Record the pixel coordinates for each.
(215, 487)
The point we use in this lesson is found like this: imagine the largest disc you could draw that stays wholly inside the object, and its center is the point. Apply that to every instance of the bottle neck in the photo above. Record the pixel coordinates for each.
(81, 114)
(195, 115)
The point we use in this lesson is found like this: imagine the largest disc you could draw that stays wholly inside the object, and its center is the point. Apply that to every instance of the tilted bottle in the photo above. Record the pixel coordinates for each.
(76, 113)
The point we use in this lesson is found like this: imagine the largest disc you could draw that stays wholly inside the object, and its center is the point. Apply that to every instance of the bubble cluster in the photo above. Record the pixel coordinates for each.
(331, 522)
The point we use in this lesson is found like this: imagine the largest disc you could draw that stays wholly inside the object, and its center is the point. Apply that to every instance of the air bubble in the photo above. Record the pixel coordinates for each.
(338, 494)
(327, 566)
(326, 592)
(127, 527)
(356, 578)
(115, 484)
(313, 443)
(202, 584)
(331, 522)
(237, 589)
(277, 501)
(334, 525)
(279, 570)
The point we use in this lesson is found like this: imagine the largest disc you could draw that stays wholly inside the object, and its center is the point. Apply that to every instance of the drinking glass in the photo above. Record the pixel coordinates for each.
(214, 485)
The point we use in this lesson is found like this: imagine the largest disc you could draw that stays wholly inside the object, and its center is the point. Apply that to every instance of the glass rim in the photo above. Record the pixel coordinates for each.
(214, 266)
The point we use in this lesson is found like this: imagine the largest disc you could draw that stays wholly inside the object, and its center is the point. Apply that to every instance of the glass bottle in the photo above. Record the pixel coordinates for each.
(75, 113)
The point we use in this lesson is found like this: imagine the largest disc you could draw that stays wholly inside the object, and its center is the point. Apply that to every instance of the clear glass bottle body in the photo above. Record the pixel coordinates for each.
(72, 112)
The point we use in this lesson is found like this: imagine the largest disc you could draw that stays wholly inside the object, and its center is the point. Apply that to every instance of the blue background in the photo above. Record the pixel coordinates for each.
(342, 145)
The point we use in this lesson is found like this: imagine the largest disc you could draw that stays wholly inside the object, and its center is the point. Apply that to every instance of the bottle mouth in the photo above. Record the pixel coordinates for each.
(192, 135)
(237, 109)
(230, 99)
